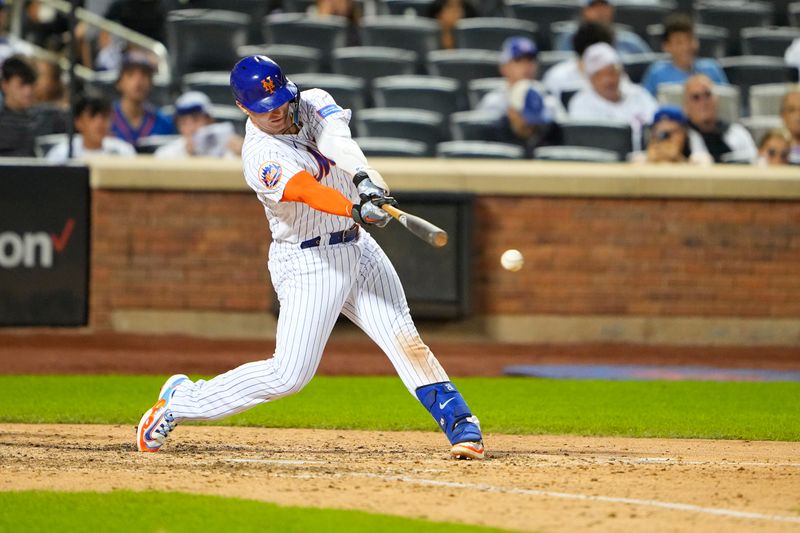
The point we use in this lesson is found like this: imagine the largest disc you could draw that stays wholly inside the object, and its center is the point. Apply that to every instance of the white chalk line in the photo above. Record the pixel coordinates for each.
(667, 461)
(730, 513)
(275, 461)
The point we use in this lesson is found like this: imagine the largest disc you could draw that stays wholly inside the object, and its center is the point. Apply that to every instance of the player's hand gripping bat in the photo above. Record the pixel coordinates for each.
(433, 235)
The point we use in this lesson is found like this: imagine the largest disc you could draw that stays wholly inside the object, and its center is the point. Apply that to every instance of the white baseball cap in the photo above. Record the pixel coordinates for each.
(193, 102)
(599, 56)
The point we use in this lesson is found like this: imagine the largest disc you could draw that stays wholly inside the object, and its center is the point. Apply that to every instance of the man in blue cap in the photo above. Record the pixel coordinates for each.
(517, 63)
(670, 140)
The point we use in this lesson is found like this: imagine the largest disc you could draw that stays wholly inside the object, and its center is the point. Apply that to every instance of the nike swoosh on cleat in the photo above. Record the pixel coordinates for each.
(443, 405)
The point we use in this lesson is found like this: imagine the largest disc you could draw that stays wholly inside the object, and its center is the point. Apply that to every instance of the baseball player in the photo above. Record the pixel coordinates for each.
(314, 183)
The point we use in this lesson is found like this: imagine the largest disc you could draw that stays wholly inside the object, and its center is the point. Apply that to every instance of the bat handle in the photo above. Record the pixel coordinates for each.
(392, 210)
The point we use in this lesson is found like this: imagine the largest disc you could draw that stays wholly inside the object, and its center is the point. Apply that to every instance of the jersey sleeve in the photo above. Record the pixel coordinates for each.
(321, 110)
(268, 171)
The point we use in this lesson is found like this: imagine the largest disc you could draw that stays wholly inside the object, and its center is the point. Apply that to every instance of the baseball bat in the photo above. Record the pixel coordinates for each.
(433, 235)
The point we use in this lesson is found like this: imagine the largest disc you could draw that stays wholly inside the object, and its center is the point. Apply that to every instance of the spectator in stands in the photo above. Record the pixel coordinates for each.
(719, 138)
(774, 148)
(531, 118)
(10, 45)
(200, 135)
(93, 124)
(682, 45)
(790, 112)
(347, 9)
(44, 26)
(669, 140)
(448, 12)
(566, 78)
(133, 116)
(608, 98)
(17, 123)
(517, 62)
(51, 109)
(602, 11)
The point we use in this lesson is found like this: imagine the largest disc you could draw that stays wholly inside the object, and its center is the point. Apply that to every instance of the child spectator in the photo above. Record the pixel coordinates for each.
(17, 123)
(133, 116)
(682, 45)
(93, 124)
(774, 148)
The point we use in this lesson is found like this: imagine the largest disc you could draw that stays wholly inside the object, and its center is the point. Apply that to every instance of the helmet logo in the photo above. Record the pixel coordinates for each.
(268, 84)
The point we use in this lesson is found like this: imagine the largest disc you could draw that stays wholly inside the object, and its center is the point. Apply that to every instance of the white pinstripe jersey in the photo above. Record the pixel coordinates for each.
(270, 161)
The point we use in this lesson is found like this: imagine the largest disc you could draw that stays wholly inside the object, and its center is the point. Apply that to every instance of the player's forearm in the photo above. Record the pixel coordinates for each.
(305, 189)
(336, 144)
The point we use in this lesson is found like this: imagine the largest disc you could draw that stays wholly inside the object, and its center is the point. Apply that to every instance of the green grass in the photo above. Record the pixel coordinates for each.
(146, 512)
(731, 410)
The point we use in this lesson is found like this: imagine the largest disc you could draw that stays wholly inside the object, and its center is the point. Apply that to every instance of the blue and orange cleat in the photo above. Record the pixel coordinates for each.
(468, 450)
(157, 423)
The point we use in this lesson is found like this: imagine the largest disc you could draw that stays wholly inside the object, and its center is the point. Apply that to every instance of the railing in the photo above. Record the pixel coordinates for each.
(102, 23)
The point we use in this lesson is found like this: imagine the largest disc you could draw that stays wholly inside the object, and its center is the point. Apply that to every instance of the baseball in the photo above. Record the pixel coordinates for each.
(512, 260)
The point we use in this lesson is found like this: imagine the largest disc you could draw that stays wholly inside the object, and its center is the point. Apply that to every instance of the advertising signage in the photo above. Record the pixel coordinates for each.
(44, 245)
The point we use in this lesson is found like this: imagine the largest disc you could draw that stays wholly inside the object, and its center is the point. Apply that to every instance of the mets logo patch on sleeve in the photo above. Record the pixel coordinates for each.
(270, 174)
(329, 110)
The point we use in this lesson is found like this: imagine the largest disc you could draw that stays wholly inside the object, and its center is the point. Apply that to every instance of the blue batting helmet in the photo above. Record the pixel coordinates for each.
(259, 84)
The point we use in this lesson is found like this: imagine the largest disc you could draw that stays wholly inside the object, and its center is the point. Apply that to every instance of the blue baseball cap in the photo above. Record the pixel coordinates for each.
(670, 112)
(516, 48)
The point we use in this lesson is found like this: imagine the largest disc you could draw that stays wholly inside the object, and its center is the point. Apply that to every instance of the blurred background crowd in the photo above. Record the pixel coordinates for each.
(646, 81)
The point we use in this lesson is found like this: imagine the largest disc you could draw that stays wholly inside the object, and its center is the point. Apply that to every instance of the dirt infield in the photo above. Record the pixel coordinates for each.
(530, 483)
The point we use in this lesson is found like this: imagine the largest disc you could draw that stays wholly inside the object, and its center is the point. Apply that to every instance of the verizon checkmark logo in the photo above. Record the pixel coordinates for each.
(33, 249)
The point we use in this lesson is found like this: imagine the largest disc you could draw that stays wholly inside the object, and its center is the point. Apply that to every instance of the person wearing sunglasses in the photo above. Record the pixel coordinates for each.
(774, 148)
(707, 129)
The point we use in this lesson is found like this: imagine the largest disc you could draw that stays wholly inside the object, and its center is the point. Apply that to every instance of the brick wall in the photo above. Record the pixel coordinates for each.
(583, 256)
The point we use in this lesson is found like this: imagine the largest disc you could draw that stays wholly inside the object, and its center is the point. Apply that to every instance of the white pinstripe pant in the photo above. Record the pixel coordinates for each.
(314, 286)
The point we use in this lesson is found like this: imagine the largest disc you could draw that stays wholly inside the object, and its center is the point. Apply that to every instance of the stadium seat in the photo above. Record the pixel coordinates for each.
(417, 34)
(636, 64)
(297, 6)
(638, 14)
(570, 26)
(488, 33)
(464, 65)
(292, 58)
(44, 143)
(418, 92)
(771, 41)
(254, 9)
(604, 135)
(476, 89)
(370, 62)
(575, 153)
(391, 147)
(479, 150)
(766, 98)
(105, 83)
(728, 95)
(794, 14)
(549, 58)
(759, 125)
(745, 71)
(734, 16)
(322, 33)
(412, 124)
(713, 40)
(202, 40)
(215, 85)
(543, 13)
(230, 113)
(148, 145)
(472, 125)
(417, 8)
(348, 91)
